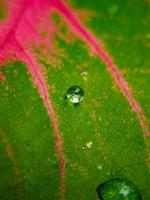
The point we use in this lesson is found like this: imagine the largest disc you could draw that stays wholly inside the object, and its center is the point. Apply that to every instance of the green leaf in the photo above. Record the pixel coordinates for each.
(49, 148)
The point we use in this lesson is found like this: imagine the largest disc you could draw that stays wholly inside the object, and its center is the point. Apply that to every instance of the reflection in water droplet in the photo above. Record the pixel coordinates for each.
(75, 94)
(118, 189)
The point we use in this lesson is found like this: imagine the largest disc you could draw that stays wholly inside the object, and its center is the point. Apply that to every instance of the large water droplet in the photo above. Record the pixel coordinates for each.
(118, 189)
(75, 94)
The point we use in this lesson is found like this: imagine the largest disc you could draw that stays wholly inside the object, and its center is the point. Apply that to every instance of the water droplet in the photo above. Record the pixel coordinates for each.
(75, 94)
(83, 147)
(89, 145)
(84, 75)
(118, 189)
(99, 167)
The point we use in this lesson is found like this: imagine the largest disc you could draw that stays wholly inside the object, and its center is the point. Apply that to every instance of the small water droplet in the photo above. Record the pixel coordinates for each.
(118, 189)
(84, 73)
(89, 145)
(75, 94)
(99, 167)
(83, 147)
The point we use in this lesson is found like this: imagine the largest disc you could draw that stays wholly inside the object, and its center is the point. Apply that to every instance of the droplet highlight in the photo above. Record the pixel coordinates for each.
(75, 94)
(118, 189)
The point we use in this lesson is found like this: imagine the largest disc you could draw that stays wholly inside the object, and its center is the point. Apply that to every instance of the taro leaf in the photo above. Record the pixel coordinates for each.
(50, 149)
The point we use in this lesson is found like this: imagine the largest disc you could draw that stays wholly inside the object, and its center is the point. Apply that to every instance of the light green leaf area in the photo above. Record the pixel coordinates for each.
(102, 136)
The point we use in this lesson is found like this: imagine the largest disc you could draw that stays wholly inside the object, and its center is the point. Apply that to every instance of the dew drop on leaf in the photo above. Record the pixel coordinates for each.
(118, 189)
(75, 94)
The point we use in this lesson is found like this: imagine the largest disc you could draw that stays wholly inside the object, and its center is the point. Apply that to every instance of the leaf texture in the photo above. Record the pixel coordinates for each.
(48, 46)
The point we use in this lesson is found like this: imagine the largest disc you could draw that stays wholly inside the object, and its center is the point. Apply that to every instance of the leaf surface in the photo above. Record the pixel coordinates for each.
(49, 148)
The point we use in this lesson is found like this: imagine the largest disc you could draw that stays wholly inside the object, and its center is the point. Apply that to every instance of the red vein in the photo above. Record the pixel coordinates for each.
(38, 79)
(15, 23)
(91, 41)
